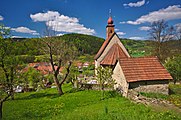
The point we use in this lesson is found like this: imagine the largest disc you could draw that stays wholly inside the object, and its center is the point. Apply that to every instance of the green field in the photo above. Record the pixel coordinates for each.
(78, 105)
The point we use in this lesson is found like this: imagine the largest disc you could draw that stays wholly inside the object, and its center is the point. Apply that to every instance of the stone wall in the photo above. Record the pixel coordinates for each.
(155, 86)
(121, 83)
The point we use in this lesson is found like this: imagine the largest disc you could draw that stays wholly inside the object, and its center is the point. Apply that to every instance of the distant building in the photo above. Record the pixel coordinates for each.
(43, 67)
(145, 74)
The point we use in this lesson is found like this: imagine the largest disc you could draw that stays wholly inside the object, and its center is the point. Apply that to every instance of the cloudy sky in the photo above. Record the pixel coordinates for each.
(28, 18)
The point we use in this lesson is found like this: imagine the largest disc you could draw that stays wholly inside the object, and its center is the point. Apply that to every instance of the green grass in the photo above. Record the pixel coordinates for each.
(78, 105)
(175, 88)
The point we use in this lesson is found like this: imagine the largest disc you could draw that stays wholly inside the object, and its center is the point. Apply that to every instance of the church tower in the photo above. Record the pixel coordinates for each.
(111, 49)
(110, 26)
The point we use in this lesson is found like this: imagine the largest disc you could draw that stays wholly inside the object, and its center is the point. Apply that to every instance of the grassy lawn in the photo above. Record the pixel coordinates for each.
(78, 105)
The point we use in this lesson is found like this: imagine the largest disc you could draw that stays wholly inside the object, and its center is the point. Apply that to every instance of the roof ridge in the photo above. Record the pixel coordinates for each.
(106, 42)
(114, 53)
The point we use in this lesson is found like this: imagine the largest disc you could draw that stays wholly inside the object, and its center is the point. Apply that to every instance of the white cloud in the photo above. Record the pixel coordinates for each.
(121, 33)
(50, 15)
(178, 26)
(123, 22)
(145, 28)
(137, 4)
(16, 37)
(1, 17)
(25, 30)
(169, 13)
(116, 29)
(62, 23)
(137, 38)
(133, 22)
(7, 27)
(60, 34)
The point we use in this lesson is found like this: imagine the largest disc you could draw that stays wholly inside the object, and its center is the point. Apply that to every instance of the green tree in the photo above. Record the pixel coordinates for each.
(104, 76)
(73, 76)
(4, 32)
(8, 65)
(31, 78)
(173, 65)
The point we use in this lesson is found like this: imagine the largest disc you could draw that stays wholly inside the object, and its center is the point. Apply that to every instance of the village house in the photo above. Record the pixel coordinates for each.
(43, 67)
(143, 74)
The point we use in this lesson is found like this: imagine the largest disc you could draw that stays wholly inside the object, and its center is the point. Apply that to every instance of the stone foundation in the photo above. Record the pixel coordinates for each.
(155, 86)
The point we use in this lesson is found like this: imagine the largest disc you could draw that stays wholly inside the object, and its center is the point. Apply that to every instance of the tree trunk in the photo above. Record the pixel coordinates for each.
(60, 90)
(174, 81)
(1, 105)
(1, 110)
(59, 87)
(11, 83)
(12, 94)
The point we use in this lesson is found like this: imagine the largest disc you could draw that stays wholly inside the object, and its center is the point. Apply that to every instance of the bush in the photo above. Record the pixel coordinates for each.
(173, 65)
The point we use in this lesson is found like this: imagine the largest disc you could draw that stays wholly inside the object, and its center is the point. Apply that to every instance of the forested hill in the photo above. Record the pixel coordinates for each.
(86, 44)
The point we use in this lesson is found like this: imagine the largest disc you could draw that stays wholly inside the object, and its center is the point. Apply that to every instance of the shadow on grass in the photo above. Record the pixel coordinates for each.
(47, 95)
(38, 95)
(74, 90)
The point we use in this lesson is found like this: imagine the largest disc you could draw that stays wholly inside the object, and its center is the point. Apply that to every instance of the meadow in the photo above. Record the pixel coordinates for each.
(79, 105)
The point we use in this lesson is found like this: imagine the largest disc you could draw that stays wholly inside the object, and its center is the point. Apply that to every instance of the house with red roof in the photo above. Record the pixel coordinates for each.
(43, 67)
(144, 74)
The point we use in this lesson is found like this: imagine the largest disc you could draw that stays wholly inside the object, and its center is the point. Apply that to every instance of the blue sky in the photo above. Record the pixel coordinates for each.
(27, 18)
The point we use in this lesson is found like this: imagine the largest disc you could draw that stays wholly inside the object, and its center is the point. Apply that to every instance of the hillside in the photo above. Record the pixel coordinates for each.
(87, 44)
(79, 105)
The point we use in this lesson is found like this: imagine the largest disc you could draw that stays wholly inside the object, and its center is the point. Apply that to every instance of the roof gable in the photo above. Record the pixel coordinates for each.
(105, 44)
(142, 69)
(113, 54)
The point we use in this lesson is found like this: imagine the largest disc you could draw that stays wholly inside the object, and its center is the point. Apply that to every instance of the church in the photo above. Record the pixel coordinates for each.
(142, 74)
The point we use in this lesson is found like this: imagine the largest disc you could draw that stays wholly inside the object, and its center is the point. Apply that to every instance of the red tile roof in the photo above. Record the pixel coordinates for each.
(113, 54)
(142, 69)
(43, 67)
(104, 46)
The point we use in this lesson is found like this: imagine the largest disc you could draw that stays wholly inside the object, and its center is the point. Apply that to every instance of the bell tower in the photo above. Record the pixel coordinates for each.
(110, 26)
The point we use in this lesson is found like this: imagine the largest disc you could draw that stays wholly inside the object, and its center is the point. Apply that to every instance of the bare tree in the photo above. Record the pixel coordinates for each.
(178, 32)
(161, 32)
(61, 53)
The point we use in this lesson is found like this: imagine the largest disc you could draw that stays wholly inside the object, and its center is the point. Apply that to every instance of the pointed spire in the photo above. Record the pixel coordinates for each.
(110, 15)
(110, 25)
(110, 21)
